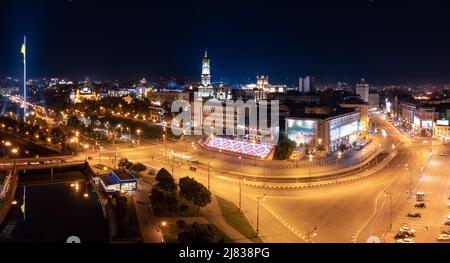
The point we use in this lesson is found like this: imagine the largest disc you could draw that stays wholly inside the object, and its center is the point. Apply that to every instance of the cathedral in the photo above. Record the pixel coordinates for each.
(206, 90)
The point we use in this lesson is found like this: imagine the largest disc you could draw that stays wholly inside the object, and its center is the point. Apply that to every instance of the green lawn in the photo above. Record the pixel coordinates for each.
(171, 233)
(236, 219)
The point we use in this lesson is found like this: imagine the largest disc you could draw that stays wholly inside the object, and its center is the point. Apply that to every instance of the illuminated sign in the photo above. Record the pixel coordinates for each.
(442, 122)
(427, 124)
(301, 131)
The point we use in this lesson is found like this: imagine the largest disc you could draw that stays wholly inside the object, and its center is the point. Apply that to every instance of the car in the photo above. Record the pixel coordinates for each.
(442, 154)
(406, 229)
(445, 232)
(400, 235)
(405, 240)
(414, 215)
(447, 223)
(443, 237)
(420, 205)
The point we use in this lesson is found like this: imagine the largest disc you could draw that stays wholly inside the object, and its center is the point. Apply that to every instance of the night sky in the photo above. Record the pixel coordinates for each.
(387, 42)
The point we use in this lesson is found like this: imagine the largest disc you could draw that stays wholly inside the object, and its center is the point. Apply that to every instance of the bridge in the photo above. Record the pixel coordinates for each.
(25, 166)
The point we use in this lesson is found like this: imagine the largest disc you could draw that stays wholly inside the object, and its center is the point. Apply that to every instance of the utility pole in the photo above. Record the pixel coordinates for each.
(389, 194)
(310, 234)
(257, 214)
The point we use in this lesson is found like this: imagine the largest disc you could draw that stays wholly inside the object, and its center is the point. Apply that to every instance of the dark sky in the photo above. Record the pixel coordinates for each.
(385, 41)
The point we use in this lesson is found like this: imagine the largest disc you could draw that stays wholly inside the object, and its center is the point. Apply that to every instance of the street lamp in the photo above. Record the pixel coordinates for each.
(14, 153)
(410, 180)
(163, 226)
(240, 193)
(311, 234)
(339, 157)
(138, 131)
(389, 194)
(86, 147)
(209, 174)
(257, 213)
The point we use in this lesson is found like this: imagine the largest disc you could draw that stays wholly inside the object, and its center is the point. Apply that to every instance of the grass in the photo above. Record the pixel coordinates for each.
(171, 232)
(237, 220)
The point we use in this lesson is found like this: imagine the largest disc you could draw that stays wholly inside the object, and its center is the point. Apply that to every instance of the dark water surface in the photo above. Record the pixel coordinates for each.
(55, 212)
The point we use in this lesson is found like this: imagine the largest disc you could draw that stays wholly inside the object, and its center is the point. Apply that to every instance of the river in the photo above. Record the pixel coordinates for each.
(55, 212)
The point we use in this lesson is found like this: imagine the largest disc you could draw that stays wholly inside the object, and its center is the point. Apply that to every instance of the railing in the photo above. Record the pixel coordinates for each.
(6, 186)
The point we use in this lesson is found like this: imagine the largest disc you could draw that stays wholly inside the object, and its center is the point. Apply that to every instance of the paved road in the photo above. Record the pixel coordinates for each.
(345, 212)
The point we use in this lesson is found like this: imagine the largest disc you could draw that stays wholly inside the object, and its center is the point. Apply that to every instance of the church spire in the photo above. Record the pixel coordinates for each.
(206, 53)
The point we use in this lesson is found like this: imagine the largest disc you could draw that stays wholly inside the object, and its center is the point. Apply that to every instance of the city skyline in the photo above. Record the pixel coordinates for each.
(333, 42)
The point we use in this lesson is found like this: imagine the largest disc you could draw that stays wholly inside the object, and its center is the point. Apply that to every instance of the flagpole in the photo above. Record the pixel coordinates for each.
(25, 80)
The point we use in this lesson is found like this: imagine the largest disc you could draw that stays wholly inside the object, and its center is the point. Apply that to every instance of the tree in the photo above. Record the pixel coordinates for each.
(124, 163)
(195, 192)
(163, 201)
(284, 149)
(157, 197)
(165, 180)
(138, 168)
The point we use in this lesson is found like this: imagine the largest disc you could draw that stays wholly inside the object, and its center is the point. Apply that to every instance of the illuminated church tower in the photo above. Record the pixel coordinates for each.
(206, 73)
(206, 89)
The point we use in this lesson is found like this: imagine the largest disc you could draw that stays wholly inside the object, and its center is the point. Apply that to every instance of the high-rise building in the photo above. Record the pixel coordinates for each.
(306, 84)
(362, 89)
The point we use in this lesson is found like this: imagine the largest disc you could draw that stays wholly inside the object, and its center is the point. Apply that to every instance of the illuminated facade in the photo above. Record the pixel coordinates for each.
(324, 133)
(84, 94)
(206, 89)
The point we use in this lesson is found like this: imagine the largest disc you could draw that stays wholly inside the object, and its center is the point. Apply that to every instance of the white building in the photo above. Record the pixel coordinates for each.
(362, 89)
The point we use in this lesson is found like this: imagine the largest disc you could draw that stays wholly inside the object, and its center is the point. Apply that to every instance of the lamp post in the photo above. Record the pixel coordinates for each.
(311, 234)
(257, 213)
(14, 153)
(99, 154)
(410, 180)
(339, 157)
(209, 174)
(389, 194)
(86, 147)
(163, 226)
(310, 164)
(129, 134)
(138, 131)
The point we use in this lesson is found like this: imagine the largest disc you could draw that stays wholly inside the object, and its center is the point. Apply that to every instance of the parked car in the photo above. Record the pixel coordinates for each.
(443, 237)
(414, 215)
(400, 235)
(447, 223)
(445, 232)
(420, 205)
(405, 240)
(407, 229)
(442, 154)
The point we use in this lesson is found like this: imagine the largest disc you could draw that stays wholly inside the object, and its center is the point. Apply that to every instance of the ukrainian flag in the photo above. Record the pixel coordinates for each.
(23, 49)
(22, 207)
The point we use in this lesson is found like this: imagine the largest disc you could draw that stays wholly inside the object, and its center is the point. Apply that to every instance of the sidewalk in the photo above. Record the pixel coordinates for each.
(213, 214)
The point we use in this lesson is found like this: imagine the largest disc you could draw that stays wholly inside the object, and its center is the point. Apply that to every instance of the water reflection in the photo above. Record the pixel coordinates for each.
(55, 212)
